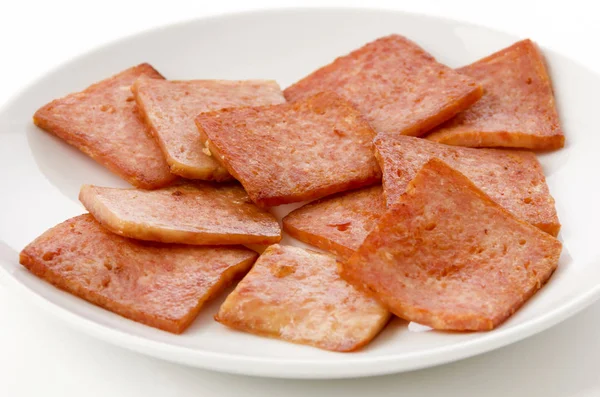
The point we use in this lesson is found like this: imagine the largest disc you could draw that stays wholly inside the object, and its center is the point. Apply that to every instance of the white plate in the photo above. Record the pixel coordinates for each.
(41, 177)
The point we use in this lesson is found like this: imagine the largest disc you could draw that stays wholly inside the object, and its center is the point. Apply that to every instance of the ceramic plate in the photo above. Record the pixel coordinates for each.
(41, 177)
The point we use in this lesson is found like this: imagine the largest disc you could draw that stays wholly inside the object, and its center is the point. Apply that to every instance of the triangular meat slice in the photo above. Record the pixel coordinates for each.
(163, 286)
(102, 121)
(297, 295)
(338, 223)
(397, 85)
(169, 108)
(449, 257)
(293, 152)
(512, 178)
(198, 213)
(518, 108)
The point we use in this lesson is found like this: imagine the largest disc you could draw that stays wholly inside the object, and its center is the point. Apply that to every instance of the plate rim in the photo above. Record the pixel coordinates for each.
(296, 368)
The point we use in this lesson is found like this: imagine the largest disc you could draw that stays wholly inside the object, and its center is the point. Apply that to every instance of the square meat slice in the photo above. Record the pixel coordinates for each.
(102, 121)
(518, 108)
(191, 213)
(169, 108)
(339, 223)
(449, 257)
(293, 152)
(297, 295)
(512, 178)
(398, 86)
(163, 286)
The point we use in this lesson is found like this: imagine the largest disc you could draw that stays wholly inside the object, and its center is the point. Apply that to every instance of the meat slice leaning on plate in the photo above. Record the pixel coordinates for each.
(297, 295)
(103, 122)
(518, 108)
(160, 285)
(397, 85)
(447, 256)
(200, 213)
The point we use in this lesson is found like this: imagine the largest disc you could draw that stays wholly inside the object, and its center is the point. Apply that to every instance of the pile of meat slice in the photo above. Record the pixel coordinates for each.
(420, 204)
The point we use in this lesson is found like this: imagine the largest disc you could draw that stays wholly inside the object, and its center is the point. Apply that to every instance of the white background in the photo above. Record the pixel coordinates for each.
(40, 356)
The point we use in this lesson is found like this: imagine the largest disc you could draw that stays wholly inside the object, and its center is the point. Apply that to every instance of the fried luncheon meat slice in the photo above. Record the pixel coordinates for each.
(447, 256)
(169, 107)
(297, 295)
(293, 152)
(200, 213)
(160, 285)
(338, 223)
(512, 178)
(397, 85)
(518, 108)
(103, 122)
